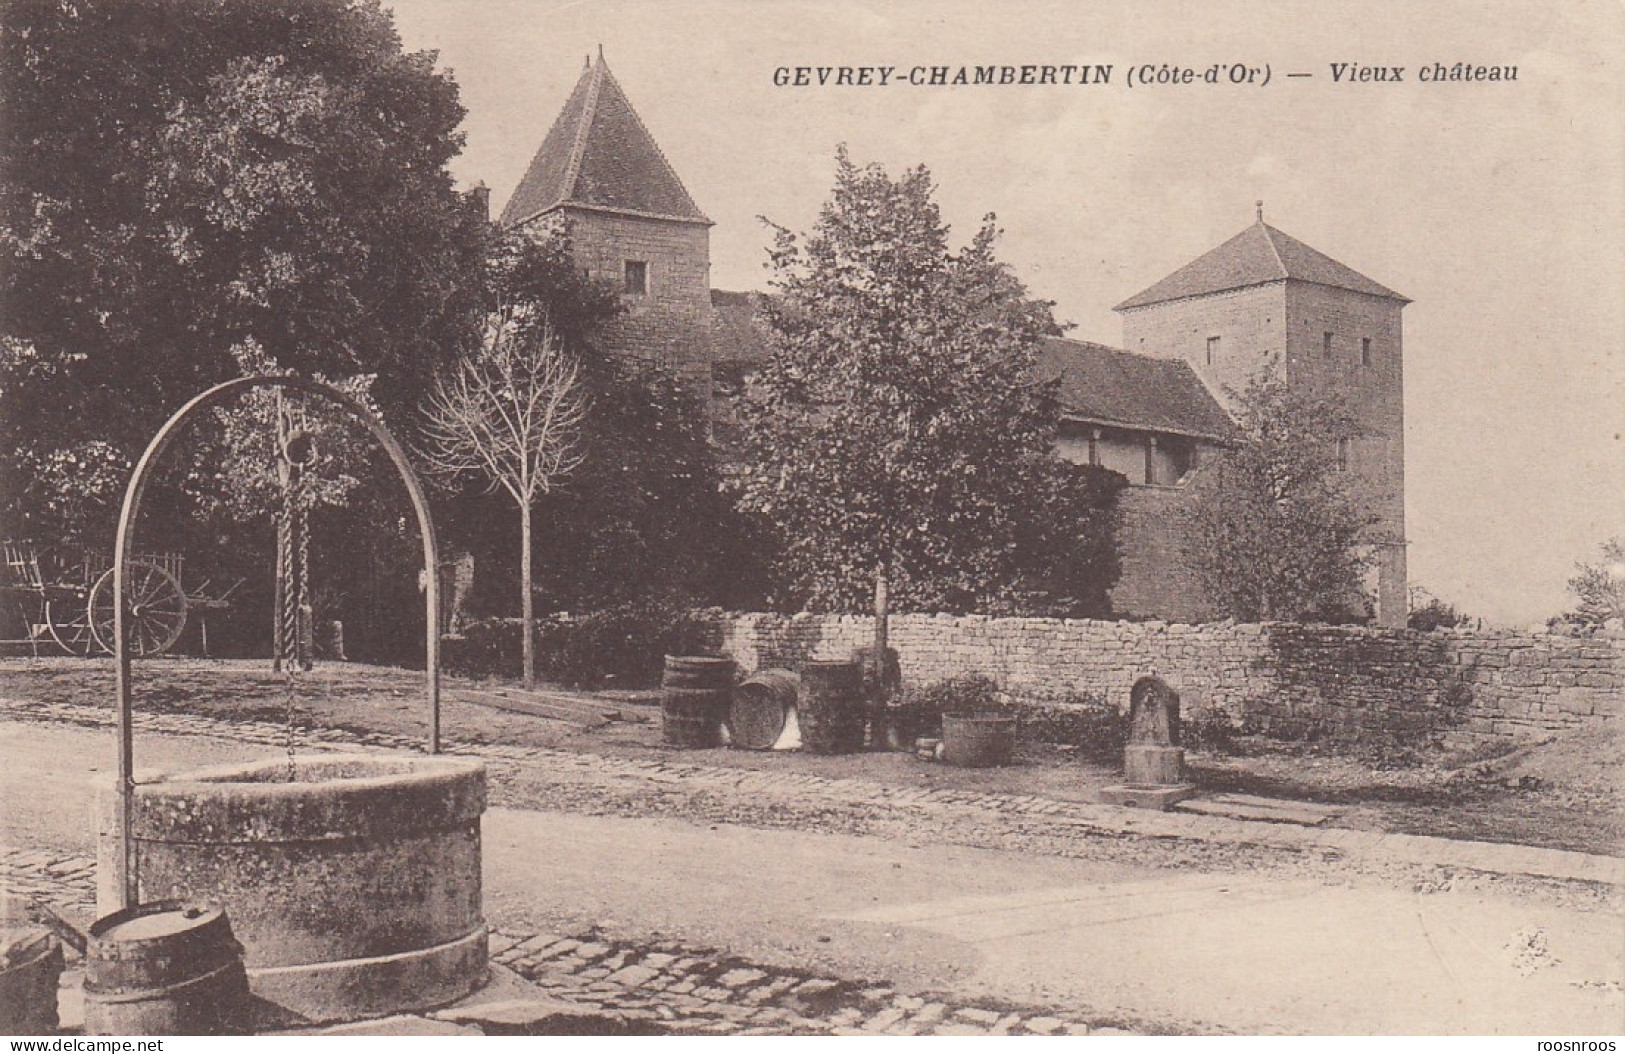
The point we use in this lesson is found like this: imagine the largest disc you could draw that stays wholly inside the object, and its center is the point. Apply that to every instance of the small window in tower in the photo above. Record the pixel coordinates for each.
(1212, 350)
(1343, 451)
(1326, 342)
(1365, 351)
(637, 278)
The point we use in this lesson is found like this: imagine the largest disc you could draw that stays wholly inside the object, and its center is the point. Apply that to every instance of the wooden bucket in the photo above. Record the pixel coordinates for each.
(978, 740)
(167, 969)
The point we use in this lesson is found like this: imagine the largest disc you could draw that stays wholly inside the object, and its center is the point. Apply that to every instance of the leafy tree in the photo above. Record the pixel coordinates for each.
(511, 414)
(178, 177)
(1276, 532)
(1066, 541)
(233, 474)
(896, 438)
(1599, 586)
(534, 268)
(645, 516)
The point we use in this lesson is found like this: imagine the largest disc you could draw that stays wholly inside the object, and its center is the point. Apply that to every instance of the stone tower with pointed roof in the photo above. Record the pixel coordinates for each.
(631, 220)
(1263, 298)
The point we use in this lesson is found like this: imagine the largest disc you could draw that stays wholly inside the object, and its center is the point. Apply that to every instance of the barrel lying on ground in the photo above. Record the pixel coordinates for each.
(694, 693)
(354, 885)
(760, 707)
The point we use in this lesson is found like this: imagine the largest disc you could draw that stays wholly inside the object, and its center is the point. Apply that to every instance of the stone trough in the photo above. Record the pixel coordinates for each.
(353, 886)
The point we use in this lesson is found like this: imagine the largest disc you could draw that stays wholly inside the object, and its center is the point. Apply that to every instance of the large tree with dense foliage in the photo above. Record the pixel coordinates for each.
(1275, 529)
(179, 177)
(896, 436)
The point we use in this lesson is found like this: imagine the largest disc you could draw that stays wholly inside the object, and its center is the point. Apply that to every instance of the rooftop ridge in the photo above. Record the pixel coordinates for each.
(578, 146)
(1274, 249)
(1260, 254)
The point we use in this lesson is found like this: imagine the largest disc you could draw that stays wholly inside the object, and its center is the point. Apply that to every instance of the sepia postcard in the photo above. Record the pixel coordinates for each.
(343, 797)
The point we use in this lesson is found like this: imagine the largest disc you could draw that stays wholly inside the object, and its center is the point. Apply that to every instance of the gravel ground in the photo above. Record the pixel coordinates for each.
(690, 786)
(1561, 793)
(975, 824)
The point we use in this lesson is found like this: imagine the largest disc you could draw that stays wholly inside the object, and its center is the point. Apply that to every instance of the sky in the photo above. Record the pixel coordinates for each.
(1497, 207)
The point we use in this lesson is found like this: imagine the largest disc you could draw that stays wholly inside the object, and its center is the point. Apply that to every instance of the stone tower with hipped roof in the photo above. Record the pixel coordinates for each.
(632, 223)
(1264, 298)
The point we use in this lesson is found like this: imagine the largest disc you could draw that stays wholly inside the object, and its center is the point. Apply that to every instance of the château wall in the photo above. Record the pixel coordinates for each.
(1349, 684)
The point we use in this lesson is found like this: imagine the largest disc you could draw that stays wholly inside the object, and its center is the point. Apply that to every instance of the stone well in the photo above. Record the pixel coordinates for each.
(354, 886)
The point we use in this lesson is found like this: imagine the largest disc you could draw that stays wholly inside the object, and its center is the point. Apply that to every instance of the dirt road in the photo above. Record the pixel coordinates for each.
(1232, 949)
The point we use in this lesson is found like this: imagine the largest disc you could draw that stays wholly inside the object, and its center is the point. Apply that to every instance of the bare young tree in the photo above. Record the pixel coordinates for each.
(512, 413)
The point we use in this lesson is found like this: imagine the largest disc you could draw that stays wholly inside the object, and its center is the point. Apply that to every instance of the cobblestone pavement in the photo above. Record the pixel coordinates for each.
(685, 991)
(665, 986)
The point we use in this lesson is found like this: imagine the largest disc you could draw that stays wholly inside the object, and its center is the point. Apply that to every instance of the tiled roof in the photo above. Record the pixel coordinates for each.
(599, 155)
(1257, 255)
(1106, 386)
(1098, 384)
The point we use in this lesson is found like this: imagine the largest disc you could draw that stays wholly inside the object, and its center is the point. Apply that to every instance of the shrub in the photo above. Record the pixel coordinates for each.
(1209, 728)
(911, 719)
(971, 693)
(624, 645)
(1429, 613)
(1095, 727)
(917, 710)
(485, 648)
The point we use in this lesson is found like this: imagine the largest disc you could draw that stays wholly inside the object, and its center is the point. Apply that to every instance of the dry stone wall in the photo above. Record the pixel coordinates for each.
(1350, 684)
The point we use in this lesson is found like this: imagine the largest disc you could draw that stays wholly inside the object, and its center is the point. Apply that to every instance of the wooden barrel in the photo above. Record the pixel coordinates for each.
(978, 740)
(30, 969)
(170, 968)
(760, 707)
(831, 708)
(694, 692)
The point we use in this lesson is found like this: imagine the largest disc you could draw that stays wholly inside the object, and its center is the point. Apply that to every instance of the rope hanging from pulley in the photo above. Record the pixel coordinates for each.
(294, 616)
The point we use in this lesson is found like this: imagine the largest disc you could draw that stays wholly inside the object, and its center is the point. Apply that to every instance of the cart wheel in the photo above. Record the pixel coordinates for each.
(157, 610)
(69, 625)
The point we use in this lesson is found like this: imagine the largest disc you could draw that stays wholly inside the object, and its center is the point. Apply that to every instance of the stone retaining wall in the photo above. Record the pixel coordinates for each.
(1289, 680)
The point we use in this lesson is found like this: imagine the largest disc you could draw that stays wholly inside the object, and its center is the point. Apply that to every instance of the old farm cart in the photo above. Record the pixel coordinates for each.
(69, 603)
